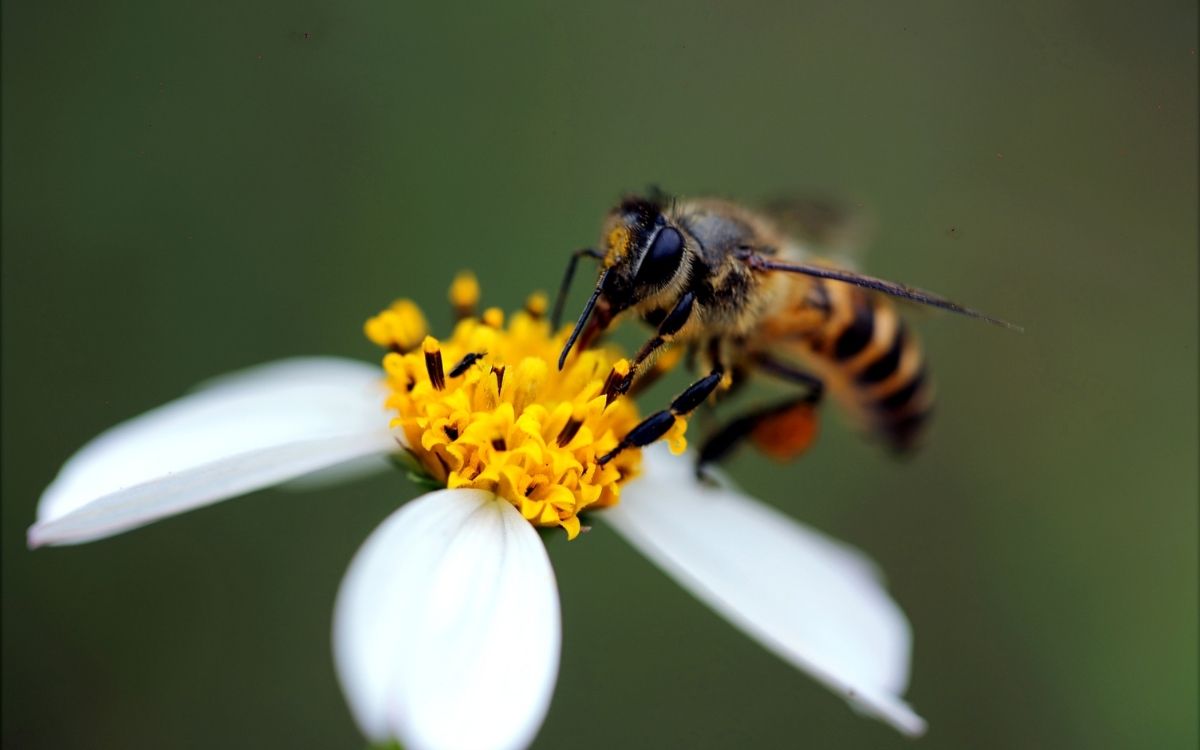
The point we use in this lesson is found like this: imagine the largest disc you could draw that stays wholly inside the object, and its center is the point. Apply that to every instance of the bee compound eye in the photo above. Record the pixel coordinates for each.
(662, 258)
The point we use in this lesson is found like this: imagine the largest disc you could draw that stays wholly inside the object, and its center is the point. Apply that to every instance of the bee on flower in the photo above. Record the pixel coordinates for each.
(452, 602)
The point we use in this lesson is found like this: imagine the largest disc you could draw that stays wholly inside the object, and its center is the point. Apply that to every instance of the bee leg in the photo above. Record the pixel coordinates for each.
(782, 431)
(784, 371)
(556, 316)
(670, 325)
(652, 375)
(656, 425)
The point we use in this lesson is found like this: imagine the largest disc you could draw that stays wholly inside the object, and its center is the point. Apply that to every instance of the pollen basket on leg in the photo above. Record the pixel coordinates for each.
(487, 408)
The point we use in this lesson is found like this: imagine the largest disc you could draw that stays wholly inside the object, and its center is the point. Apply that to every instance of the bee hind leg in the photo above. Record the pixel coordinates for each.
(783, 431)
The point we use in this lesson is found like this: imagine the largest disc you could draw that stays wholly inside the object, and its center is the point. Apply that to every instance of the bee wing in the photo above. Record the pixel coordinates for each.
(835, 229)
(890, 288)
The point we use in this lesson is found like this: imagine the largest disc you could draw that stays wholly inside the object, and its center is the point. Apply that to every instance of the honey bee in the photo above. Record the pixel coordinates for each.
(733, 289)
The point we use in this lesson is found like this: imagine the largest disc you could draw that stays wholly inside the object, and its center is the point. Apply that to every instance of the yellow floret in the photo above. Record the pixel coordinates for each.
(464, 293)
(504, 418)
(536, 304)
(493, 316)
(401, 327)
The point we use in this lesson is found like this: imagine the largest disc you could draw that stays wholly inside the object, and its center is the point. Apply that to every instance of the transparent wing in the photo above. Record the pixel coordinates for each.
(832, 228)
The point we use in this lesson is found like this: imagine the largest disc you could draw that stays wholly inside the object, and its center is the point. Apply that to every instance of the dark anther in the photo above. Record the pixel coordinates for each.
(451, 431)
(466, 362)
(568, 432)
(433, 365)
(499, 373)
(499, 444)
(615, 385)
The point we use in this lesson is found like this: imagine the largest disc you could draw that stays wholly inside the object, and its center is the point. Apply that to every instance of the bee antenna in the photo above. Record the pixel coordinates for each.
(583, 319)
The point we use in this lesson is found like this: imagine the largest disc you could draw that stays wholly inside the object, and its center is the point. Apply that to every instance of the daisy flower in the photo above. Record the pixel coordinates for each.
(446, 629)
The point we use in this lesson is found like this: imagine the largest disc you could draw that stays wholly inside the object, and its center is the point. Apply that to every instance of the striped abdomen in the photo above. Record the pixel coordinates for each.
(872, 360)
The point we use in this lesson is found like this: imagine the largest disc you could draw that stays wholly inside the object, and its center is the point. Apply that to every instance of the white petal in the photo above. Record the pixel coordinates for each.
(238, 433)
(811, 600)
(342, 473)
(447, 632)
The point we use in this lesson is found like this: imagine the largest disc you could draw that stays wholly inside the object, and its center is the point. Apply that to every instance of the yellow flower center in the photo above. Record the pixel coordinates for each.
(488, 408)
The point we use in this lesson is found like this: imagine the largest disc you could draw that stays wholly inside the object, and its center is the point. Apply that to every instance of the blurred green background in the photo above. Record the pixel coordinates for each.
(189, 189)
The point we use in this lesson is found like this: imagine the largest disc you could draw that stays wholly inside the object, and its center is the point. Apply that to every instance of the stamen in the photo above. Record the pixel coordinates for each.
(464, 294)
(613, 383)
(433, 363)
(570, 429)
(498, 371)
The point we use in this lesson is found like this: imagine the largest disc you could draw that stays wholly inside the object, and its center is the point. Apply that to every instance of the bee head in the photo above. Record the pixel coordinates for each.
(646, 259)
(645, 254)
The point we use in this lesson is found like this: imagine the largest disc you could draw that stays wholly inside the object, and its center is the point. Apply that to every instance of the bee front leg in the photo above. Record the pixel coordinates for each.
(670, 325)
(655, 372)
(656, 425)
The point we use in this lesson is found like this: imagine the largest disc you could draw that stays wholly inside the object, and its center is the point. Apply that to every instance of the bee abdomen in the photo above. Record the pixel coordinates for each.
(903, 413)
(857, 335)
(880, 363)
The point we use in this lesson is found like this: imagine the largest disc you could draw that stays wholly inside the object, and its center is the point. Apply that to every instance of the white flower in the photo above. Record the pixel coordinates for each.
(447, 628)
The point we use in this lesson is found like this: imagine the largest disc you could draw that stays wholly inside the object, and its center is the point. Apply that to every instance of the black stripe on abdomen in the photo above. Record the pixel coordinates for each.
(901, 415)
(900, 397)
(855, 337)
(883, 367)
